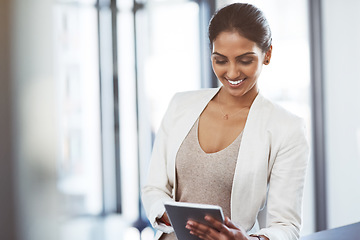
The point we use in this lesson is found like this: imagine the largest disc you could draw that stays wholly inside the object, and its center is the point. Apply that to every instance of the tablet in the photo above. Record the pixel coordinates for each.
(180, 212)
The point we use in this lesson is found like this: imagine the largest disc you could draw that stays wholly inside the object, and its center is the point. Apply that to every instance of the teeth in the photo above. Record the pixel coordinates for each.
(235, 82)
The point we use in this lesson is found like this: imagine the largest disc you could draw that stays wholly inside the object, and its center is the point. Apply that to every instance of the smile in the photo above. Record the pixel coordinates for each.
(235, 82)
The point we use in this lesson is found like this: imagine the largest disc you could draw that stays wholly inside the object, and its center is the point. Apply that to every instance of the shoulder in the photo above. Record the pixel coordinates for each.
(193, 97)
(281, 124)
(188, 104)
(277, 113)
(284, 128)
(195, 94)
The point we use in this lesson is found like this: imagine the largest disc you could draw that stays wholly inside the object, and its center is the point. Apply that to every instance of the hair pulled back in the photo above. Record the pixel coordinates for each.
(246, 19)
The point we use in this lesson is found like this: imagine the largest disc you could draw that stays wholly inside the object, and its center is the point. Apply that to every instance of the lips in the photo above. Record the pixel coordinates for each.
(237, 82)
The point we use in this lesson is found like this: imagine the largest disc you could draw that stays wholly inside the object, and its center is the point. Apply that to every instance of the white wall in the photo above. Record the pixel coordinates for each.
(341, 29)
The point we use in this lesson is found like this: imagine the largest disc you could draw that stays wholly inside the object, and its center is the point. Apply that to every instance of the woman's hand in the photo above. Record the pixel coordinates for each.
(217, 231)
(164, 219)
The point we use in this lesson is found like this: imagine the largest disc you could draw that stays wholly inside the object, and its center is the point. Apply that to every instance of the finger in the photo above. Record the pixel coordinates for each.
(219, 226)
(207, 235)
(211, 235)
(202, 231)
(203, 235)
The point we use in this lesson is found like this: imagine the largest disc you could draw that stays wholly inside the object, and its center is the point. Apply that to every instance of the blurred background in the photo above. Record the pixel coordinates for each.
(85, 83)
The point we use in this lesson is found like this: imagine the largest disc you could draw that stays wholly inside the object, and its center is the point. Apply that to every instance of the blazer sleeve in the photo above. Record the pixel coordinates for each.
(159, 188)
(286, 183)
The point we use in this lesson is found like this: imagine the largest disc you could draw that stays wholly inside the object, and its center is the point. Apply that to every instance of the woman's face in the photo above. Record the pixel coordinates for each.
(237, 63)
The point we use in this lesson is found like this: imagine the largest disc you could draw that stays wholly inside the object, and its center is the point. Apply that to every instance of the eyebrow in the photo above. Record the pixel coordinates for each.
(242, 55)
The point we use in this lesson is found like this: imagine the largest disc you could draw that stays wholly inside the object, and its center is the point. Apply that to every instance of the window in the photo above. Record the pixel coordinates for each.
(118, 64)
(167, 59)
(76, 50)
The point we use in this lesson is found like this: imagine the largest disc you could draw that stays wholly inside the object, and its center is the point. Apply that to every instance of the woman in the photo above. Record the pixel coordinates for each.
(230, 146)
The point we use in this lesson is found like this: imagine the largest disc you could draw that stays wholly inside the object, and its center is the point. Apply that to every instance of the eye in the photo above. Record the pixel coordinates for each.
(219, 59)
(221, 62)
(243, 60)
(246, 62)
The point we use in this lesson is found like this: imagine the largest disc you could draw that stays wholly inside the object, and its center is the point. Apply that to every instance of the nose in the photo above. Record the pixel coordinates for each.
(233, 71)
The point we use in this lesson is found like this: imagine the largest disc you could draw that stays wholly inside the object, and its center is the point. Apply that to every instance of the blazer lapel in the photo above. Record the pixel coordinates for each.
(249, 185)
(185, 119)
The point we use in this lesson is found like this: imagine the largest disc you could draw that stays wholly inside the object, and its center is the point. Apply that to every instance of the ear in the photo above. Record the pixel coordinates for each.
(268, 56)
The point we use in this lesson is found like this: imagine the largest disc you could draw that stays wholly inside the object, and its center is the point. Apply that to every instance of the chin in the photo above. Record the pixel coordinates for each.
(241, 92)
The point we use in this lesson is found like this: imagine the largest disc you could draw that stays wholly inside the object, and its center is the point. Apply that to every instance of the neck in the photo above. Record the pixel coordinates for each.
(238, 101)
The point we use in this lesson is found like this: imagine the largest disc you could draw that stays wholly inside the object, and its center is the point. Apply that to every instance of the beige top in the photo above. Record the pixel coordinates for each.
(204, 177)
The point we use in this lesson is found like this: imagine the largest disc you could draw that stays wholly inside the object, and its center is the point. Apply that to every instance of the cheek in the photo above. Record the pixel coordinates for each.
(218, 70)
(253, 70)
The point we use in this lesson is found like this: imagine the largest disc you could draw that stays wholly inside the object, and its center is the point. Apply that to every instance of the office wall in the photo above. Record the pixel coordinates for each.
(341, 38)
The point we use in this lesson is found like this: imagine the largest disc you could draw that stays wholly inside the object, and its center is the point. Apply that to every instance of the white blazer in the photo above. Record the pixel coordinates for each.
(270, 169)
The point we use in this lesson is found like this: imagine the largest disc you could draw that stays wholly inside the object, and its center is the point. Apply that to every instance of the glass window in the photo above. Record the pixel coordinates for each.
(76, 57)
(167, 61)
(171, 53)
(128, 110)
(157, 52)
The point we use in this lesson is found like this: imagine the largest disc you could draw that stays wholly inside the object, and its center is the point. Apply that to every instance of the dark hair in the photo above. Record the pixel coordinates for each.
(246, 19)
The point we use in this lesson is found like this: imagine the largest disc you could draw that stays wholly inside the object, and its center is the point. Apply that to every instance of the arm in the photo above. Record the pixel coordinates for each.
(158, 188)
(286, 183)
